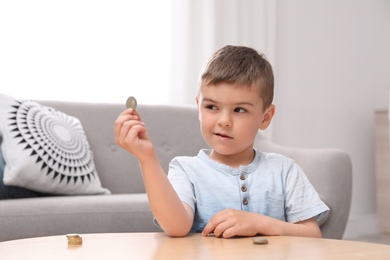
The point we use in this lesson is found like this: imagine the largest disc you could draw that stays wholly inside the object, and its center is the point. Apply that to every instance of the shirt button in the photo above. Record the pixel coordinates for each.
(242, 177)
(245, 201)
(243, 188)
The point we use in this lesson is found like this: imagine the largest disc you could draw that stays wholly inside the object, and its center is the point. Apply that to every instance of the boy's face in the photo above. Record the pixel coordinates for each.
(230, 118)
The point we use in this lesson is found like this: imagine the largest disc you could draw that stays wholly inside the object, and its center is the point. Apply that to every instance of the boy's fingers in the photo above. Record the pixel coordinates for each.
(124, 117)
(208, 229)
(135, 112)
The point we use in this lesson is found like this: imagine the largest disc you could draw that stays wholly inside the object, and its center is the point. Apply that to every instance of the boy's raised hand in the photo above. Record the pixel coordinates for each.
(131, 134)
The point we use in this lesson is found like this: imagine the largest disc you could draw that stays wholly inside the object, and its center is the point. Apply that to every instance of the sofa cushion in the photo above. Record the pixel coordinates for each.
(13, 192)
(59, 215)
(46, 150)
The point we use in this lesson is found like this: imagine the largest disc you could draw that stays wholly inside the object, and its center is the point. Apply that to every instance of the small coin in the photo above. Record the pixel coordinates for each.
(131, 102)
(74, 239)
(260, 240)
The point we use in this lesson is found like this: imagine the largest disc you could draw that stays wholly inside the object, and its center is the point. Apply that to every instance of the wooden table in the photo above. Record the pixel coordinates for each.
(160, 246)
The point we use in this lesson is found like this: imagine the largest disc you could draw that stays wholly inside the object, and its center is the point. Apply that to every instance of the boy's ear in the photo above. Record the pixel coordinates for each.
(267, 117)
(197, 104)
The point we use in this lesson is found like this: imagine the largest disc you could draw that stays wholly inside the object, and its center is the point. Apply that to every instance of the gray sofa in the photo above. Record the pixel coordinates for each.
(174, 131)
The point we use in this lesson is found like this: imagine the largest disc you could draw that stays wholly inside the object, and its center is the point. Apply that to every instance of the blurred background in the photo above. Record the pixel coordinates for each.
(331, 61)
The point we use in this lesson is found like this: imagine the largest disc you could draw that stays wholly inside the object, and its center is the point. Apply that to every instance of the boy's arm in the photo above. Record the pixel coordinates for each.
(231, 222)
(174, 216)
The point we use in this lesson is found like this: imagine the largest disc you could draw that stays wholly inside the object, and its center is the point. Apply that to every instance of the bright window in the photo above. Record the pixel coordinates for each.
(85, 50)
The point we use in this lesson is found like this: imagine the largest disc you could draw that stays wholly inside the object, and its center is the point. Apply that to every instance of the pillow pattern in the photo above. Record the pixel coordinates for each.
(13, 192)
(46, 150)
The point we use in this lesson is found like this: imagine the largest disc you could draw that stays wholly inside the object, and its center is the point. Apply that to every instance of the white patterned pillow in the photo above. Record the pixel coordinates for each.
(45, 150)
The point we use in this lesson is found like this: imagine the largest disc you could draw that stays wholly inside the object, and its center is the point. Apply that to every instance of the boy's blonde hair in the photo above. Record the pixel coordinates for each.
(240, 66)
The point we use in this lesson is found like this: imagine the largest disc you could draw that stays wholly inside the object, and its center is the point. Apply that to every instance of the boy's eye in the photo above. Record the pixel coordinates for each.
(239, 110)
(211, 107)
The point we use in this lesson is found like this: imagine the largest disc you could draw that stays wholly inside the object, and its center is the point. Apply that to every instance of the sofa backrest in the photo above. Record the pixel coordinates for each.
(174, 131)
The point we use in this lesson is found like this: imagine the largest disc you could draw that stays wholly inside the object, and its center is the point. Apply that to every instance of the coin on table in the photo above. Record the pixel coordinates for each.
(131, 102)
(260, 240)
(74, 239)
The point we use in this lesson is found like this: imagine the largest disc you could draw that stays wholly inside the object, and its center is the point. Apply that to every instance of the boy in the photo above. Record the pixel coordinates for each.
(231, 189)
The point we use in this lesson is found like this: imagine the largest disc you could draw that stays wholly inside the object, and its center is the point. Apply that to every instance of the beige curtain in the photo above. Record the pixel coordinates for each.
(200, 27)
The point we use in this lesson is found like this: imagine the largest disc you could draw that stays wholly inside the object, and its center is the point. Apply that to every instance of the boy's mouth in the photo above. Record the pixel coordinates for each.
(223, 135)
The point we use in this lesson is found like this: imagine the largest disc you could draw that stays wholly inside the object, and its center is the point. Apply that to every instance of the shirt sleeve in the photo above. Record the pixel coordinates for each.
(302, 202)
(181, 183)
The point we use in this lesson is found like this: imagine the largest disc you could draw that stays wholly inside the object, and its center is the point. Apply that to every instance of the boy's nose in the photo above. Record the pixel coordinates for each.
(224, 121)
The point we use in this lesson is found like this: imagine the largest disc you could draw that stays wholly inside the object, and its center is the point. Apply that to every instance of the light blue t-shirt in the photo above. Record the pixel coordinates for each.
(272, 185)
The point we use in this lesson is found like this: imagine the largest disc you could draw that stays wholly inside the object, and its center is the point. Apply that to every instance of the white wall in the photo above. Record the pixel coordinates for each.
(332, 67)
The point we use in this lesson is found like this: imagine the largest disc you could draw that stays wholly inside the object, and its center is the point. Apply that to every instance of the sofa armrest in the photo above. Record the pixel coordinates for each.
(330, 172)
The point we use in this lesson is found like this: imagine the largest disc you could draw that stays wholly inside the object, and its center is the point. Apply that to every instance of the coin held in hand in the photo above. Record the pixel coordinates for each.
(131, 103)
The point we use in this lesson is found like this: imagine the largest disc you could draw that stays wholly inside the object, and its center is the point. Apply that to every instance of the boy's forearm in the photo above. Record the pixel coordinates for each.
(307, 228)
(166, 206)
